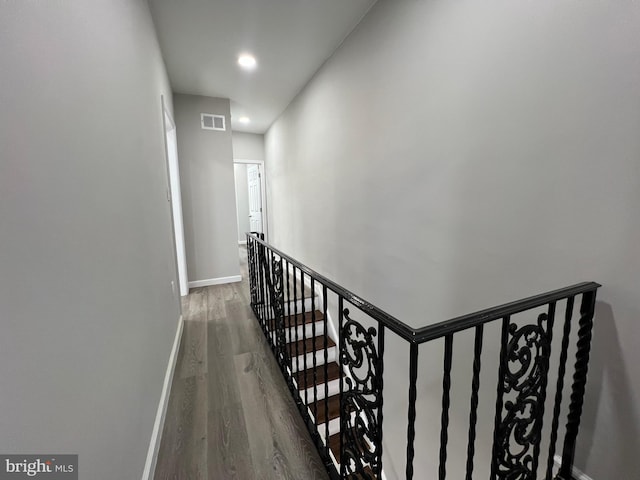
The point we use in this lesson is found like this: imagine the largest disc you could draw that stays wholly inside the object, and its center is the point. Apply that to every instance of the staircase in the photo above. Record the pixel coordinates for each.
(313, 356)
(339, 388)
(315, 371)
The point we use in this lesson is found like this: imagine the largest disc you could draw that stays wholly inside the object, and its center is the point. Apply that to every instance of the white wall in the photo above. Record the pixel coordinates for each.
(208, 192)
(87, 312)
(248, 146)
(242, 200)
(456, 155)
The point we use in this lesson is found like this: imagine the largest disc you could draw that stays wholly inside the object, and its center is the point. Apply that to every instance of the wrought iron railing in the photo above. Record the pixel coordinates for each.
(292, 304)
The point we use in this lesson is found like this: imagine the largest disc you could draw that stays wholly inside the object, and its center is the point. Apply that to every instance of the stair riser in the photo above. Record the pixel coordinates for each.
(304, 331)
(299, 360)
(334, 425)
(334, 389)
(291, 307)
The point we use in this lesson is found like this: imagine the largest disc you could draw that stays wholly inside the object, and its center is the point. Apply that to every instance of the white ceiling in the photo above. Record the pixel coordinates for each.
(201, 40)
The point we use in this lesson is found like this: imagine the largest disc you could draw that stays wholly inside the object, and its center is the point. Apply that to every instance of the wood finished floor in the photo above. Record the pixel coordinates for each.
(230, 414)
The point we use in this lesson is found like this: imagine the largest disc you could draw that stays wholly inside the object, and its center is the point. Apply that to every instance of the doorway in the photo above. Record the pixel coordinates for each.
(174, 197)
(250, 198)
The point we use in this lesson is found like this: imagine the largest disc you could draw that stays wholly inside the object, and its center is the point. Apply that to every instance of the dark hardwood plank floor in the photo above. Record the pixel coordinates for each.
(230, 414)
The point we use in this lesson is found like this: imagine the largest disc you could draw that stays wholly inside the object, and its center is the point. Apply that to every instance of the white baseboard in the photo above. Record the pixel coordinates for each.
(156, 434)
(577, 474)
(215, 281)
(242, 242)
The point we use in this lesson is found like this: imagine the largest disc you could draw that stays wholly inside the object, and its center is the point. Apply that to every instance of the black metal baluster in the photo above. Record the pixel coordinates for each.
(585, 326)
(265, 273)
(259, 273)
(272, 303)
(411, 429)
(251, 253)
(250, 267)
(326, 369)
(475, 385)
(304, 340)
(267, 301)
(560, 385)
(314, 349)
(254, 255)
(272, 322)
(287, 310)
(446, 388)
(343, 414)
(276, 319)
(380, 373)
(258, 283)
(295, 320)
(288, 331)
(543, 386)
(254, 274)
(501, 372)
(263, 286)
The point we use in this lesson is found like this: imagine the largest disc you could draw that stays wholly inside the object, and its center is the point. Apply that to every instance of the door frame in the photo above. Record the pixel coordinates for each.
(263, 190)
(175, 200)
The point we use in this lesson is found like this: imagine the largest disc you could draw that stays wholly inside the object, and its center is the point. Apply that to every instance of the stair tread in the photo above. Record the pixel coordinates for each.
(333, 373)
(334, 445)
(300, 319)
(333, 407)
(310, 344)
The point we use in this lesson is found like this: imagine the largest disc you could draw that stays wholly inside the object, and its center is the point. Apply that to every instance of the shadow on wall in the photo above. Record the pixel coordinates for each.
(607, 367)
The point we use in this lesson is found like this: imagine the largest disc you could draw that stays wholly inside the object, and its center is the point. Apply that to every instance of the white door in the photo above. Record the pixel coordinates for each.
(255, 198)
(176, 201)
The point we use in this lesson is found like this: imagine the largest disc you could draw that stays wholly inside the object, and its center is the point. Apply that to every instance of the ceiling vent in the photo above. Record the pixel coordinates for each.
(212, 122)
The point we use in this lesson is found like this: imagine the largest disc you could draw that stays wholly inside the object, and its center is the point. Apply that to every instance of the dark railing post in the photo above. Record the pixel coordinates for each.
(314, 364)
(559, 386)
(446, 389)
(502, 368)
(475, 386)
(343, 413)
(261, 261)
(380, 371)
(304, 340)
(326, 371)
(585, 326)
(411, 416)
(295, 324)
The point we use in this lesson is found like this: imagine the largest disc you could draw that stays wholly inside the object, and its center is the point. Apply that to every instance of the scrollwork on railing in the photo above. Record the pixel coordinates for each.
(277, 300)
(251, 262)
(361, 400)
(525, 364)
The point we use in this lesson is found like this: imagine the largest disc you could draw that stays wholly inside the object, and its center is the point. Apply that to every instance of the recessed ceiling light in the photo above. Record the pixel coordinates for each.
(247, 61)
(244, 120)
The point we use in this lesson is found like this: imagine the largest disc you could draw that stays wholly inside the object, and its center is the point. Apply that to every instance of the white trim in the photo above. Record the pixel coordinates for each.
(242, 160)
(175, 197)
(575, 473)
(156, 434)
(215, 281)
(242, 242)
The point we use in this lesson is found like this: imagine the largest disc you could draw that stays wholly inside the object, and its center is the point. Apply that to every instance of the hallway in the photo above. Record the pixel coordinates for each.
(230, 415)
